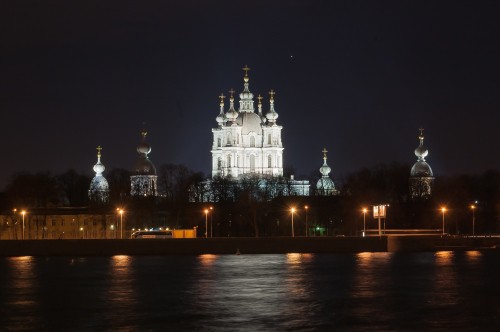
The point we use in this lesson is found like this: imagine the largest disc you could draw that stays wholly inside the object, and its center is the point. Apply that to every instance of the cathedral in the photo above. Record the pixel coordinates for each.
(248, 143)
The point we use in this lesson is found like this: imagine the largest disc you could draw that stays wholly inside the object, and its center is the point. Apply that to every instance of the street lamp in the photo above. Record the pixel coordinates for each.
(211, 221)
(443, 210)
(364, 221)
(23, 212)
(473, 207)
(293, 210)
(206, 223)
(120, 211)
(307, 229)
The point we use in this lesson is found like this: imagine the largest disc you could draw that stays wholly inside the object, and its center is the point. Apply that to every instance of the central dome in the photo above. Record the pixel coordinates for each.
(249, 122)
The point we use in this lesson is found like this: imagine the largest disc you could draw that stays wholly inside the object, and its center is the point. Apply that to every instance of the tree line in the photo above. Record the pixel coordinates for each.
(256, 208)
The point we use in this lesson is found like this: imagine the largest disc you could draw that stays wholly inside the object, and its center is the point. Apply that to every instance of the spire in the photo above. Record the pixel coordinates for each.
(272, 115)
(99, 167)
(231, 115)
(221, 118)
(246, 97)
(262, 117)
(421, 152)
(325, 169)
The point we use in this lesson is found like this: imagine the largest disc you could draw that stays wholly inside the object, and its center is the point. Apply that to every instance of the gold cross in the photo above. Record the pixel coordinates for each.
(246, 69)
(421, 131)
(231, 92)
(260, 99)
(272, 93)
(324, 152)
(99, 151)
(222, 97)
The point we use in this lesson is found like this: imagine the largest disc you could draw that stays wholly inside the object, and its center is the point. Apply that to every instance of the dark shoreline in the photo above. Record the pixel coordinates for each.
(245, 245)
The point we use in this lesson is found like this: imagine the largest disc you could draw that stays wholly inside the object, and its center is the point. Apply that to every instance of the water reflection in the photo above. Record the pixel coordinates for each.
(21, 285)
(473, 256)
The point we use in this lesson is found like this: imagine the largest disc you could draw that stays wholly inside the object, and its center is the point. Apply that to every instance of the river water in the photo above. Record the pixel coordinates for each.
(442, 291)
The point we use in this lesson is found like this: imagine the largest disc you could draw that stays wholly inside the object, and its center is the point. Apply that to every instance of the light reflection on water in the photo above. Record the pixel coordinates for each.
(307, 292)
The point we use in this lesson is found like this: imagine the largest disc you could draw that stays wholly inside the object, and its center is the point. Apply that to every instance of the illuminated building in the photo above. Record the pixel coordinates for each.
(144, 180)
(99, 188)
(325, 185)
(246, 142)
(421, 176)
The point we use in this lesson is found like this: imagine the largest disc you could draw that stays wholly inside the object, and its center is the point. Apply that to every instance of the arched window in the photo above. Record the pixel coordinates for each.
(219, 163)
(229, 161)
(229, 139)
(252, 141)
(269, 161)
(252, 163)
(237, 139)
(269, 139)
(219, 142)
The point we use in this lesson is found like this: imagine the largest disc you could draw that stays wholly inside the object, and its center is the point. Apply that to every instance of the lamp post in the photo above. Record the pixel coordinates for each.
(473, 207)
(211, 221)
(23, 212)
(206, 223)
(364, 221)
(293, 211)
(307, 228)
(121, 223)
(443, 210)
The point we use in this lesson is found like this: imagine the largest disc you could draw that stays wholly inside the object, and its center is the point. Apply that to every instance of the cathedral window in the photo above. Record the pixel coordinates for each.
(219, 163)
(269, 139)
(269, 161)
(252, 163)
(252, 141)
(228, 161)
(219, 142)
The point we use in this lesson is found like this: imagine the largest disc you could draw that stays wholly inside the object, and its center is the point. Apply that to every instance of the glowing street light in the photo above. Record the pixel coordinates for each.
(443, 210)
(364, 221)
(23, 212)
(206, 223)
(293, 211)
(120, 211)
(211, 221)
(307, 229)
(473, 207)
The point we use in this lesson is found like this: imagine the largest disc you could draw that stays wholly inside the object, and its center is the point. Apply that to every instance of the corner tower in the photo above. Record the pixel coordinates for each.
(99, 188)
(421, 176)
(325, 185)
(144, 181)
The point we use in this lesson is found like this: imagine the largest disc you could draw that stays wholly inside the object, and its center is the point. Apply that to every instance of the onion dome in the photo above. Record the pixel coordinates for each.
(262, 117)
(221, 118)
(421, 168)
(99, 167)
(246, 97)
(144, 166)
(231, 115)
(272, 115)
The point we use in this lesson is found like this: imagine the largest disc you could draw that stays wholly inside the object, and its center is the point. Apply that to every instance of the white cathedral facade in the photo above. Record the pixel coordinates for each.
(247, 143)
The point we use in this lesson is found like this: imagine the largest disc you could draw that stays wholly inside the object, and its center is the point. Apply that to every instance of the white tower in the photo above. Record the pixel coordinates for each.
(325, 185)
(144, 181)
(99, 188)
(243, 144)
(421, 176)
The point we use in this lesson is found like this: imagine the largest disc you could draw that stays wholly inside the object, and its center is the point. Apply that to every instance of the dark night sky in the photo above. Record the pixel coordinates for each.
(356, 77)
